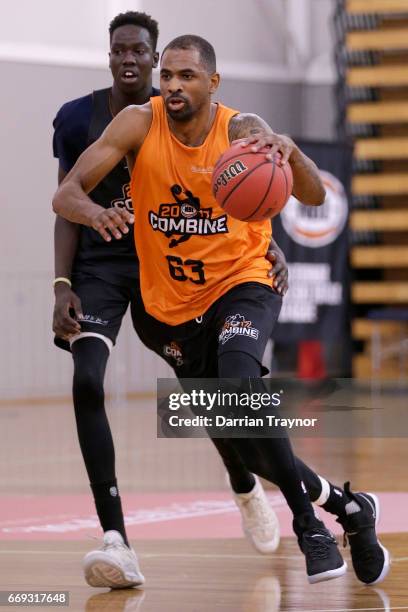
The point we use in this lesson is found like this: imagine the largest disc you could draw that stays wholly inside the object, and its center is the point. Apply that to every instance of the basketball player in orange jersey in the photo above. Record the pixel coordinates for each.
(197, 278)
(101, 280)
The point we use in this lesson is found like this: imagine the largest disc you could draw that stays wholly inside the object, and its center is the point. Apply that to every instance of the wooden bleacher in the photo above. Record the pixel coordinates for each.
(377, 40)
(378, 76)
(376, 6)
(381, 148)
(380, 184)
(378, 112)
(379, 220)
(383, 40)
(384, 292)
(379, 256)
(362, 329)
(387, 331)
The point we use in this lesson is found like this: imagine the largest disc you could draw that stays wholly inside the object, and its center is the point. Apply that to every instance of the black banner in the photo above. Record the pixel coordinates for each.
(315, 242)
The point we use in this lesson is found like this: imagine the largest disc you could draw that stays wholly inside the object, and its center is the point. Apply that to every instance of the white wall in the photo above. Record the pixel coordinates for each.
(279, 39)
(241, 31)
(52, 22)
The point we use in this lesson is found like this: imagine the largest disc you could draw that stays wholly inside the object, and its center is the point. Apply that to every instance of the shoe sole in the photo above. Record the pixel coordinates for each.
(99, 573)
(387, 560)
(329, 575)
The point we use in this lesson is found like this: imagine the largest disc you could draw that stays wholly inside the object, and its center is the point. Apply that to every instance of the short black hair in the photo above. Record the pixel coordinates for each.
(138, 19)
(191, 41)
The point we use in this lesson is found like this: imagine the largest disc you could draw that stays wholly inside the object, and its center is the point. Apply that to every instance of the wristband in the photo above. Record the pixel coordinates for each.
(62, 279)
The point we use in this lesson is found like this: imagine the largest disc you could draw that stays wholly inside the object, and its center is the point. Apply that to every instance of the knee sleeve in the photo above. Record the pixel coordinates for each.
(90, 357)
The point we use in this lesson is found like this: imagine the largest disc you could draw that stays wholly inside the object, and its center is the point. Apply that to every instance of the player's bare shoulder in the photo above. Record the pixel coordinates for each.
(130, 127)
(138, 114)
(135, 122)
(244, 125)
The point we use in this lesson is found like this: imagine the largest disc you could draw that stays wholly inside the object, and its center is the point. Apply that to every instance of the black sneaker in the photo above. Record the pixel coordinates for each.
(318, 544)
(371, 561)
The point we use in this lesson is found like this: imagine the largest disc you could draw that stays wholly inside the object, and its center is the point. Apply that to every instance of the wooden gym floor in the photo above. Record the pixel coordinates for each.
(181, 519)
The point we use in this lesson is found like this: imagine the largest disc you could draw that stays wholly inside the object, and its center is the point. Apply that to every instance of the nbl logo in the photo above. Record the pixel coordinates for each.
(188, 211)
(317, 226)
(186, 218)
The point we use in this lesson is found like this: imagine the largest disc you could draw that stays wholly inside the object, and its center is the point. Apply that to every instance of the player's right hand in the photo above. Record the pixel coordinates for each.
(63, 324)
(112, 222)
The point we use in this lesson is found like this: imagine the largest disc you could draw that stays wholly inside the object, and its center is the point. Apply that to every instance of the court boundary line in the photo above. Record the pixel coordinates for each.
(49, 400)
(354, 609)
(176, 555)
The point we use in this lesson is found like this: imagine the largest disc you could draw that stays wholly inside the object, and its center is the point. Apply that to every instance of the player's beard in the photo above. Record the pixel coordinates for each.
(184, 114)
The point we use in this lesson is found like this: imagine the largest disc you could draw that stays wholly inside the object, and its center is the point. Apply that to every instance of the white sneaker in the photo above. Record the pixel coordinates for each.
(115, 565)
(259, 521)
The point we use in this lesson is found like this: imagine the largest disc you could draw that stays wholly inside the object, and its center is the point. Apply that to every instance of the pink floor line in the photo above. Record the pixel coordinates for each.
(159, 516)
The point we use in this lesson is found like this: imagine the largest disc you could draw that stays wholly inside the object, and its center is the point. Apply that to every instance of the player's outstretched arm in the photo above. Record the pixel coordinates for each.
(66, 237)
(307, 185)
(123, 136)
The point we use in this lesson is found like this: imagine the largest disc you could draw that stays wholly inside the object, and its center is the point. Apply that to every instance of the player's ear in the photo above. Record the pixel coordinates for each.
(156, 56)
(214, 82)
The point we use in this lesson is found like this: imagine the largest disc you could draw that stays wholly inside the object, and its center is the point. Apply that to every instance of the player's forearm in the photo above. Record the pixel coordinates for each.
(71, 202)
(307, 184)
(66, 237)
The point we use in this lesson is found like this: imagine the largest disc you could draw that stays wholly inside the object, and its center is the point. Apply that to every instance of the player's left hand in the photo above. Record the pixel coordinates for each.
(279, 268)
(278, 143)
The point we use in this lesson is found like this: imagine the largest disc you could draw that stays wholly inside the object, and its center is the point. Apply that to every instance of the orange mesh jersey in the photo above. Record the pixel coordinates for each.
(190, 251)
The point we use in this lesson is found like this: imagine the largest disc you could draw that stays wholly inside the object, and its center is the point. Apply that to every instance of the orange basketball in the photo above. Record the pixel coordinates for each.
(248, 186)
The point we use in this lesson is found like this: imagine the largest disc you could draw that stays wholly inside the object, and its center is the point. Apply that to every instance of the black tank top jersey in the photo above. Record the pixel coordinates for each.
(115, 261)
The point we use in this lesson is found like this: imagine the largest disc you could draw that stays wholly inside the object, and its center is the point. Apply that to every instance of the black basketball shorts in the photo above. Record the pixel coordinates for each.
(104, 306)
(240, 320)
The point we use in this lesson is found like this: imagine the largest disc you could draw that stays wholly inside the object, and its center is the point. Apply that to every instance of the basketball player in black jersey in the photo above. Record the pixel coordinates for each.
(94, 285)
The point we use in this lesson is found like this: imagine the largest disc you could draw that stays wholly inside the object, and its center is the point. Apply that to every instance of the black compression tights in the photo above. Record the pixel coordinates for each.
(273, 458)
(95, 439)
(90, 358)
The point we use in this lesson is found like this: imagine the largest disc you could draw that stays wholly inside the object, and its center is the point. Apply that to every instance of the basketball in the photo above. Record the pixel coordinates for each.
(248, 186)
